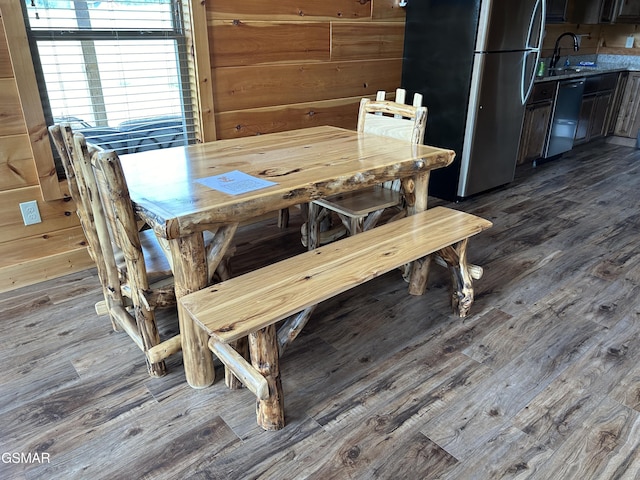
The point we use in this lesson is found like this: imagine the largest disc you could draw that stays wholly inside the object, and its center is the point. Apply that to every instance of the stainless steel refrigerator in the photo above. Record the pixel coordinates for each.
(474, 61)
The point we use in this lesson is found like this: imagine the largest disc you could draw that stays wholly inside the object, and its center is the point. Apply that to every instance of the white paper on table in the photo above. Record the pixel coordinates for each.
(235, 182)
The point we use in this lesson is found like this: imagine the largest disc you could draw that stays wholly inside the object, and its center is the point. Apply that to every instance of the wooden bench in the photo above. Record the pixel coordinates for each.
(251, 304)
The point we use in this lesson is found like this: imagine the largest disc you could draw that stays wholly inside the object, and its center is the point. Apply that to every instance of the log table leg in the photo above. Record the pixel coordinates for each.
(190, 275)
(462, 294)
(263, 347)
(313, 226)
(416, 194)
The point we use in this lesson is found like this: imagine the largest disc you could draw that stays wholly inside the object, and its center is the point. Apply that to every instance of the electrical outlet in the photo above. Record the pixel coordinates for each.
(30, 212)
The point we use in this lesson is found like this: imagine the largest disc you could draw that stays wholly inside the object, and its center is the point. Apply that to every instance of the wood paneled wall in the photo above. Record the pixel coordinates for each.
(284, 64)
(275, 65)
(271, 65)
(29, 254)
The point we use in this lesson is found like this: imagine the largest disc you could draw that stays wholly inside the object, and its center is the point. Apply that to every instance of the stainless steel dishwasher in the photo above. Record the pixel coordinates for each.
(565, 117)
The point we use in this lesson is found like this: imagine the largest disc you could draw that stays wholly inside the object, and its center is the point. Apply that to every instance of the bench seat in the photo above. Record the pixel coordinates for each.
(252, 303)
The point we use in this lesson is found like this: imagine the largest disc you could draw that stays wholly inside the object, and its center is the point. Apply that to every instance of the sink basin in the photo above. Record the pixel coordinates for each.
(565, 70)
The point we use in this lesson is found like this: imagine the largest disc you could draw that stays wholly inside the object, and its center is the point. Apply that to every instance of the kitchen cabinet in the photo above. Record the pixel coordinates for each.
(599, 115)
(628, 121)
(582, 130)
(585, 11)
(556, 11)
(596, 100)
(612, 114)
(620, 11)
(608, 11)
(629, 11)
(535, 126)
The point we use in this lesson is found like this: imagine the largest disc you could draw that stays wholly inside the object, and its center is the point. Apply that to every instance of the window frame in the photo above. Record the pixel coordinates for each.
(90, 38)
(197, 46)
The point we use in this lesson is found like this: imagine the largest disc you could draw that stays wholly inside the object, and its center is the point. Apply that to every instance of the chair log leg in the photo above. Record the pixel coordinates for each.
(352, 224)
(150, 338)
(401, 214)
(372, 220)
(283, 218)
(462, 294)
(263, 346)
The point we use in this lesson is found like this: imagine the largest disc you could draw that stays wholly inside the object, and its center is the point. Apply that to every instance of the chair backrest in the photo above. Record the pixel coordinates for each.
(80, 157)
(113, 191)
(393, 118)
(91, 216)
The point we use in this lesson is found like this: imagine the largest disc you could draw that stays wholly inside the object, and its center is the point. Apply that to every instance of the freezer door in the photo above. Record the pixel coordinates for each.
(505, 25)
(494, 121)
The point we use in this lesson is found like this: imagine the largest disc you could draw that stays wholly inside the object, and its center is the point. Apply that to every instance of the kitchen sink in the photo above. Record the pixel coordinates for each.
(566, 70)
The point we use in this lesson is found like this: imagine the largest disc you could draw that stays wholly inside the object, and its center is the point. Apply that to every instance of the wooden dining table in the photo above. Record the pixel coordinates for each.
(171, 192)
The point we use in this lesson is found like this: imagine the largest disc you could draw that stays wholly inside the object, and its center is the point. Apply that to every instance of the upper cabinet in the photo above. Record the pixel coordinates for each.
(629, 11)
(586, 11)
(556, 11)
(620, 11)
(602, 11)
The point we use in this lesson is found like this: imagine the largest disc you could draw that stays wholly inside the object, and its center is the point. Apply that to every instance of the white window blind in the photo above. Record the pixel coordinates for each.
(116, 70)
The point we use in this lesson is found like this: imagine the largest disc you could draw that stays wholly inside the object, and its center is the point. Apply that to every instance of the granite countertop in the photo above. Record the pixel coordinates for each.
(580, 72)
(582, 66)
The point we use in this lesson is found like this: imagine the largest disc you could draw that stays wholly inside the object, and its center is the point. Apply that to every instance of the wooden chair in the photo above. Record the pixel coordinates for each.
(133, 265)
(360, 210)
(114, 195)
(131, 292)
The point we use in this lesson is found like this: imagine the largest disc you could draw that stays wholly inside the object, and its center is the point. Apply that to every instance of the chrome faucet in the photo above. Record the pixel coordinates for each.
(556, 49)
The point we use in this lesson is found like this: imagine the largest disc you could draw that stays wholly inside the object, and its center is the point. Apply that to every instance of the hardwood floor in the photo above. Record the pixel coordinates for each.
(542, 381)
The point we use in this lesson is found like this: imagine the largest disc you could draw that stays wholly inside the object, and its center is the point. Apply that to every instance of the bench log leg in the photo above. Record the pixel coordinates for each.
(462, 294)
(419, 274)
(242, 347)
(292, 327)
(263, 347)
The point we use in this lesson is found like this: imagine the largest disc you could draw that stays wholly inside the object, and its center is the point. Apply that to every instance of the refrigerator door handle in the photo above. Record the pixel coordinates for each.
(524, 94)
(537, 49)
(540, 4)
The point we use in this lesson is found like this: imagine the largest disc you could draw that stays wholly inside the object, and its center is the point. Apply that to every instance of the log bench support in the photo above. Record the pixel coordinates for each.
(251, 304)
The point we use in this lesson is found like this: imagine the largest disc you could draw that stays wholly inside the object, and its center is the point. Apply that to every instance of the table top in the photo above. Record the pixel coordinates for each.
(305, 164)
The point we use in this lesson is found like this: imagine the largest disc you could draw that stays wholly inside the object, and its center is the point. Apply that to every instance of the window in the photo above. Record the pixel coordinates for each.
(116, 70)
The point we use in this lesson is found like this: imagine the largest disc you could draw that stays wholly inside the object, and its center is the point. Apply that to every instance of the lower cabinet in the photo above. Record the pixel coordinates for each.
(536, 122)
(599, 116)
(594, 112)
(610, 105)
(584, 120)
(628, 119)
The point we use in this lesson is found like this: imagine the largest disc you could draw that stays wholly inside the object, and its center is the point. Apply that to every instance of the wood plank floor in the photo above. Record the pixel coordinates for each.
(542, 381)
